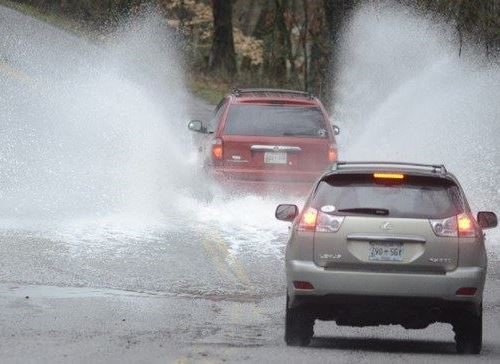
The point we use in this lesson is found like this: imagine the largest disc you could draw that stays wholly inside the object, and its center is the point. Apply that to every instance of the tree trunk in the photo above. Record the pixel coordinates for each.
(281, 42)
(304, 45)
(336, 14)
(222, 55)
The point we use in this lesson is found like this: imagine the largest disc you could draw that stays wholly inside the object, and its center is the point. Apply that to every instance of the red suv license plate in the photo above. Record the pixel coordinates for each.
(275, 157)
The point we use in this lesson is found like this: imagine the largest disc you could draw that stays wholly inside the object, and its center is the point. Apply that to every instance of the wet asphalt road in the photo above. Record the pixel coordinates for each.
(208, 289)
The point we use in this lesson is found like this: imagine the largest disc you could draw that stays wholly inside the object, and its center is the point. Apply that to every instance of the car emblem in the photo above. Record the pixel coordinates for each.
(276, 148)
(386, 226)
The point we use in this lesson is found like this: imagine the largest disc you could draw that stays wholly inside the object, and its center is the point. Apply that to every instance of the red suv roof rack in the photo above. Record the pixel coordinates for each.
(239, 92)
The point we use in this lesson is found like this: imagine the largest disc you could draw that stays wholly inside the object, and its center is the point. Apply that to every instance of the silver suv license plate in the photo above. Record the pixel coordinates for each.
(386, 251)
(275, 157)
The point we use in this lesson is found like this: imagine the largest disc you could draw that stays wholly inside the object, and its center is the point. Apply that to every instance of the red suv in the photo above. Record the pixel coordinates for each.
(267, 138)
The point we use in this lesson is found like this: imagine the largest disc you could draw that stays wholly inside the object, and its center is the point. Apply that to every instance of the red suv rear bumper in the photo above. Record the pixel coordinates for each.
(265, 181)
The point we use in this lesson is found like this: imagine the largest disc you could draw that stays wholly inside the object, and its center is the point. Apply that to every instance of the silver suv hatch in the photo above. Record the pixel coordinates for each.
(387, 222)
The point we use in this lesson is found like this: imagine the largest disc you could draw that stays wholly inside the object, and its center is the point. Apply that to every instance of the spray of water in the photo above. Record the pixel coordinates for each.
(98, 169)
(96, 140)
(95, 148)
(405, 94)
(96, 130)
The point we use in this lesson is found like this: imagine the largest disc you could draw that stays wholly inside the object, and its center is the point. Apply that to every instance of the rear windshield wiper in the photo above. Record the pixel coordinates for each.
(366, 210)
(289, 133)
(309, 132)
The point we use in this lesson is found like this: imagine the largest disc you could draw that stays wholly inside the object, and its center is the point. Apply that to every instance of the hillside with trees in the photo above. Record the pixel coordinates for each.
(272, 43)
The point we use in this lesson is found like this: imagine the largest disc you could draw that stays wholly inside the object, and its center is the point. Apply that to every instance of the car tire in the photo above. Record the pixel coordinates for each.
(299, 326)
(469, 332)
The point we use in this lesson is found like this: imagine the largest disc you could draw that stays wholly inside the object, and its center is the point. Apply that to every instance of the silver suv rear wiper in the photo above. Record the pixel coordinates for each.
(366, 210)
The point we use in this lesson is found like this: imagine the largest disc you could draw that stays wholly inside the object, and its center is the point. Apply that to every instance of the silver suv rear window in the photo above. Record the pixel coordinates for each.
(411, 197)
(275, 120)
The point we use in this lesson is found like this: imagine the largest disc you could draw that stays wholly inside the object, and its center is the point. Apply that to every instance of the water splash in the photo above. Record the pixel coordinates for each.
(96, 131)
(405, 94)
(95, 150)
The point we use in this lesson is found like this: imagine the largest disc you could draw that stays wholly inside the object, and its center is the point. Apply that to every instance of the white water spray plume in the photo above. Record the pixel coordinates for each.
(405, 94)
(97, 130)
(100, 131)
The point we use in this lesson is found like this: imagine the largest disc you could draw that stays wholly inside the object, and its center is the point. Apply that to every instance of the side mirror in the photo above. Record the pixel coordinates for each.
(197, 126)
(336, 130)
(286, 212)
(487, 219)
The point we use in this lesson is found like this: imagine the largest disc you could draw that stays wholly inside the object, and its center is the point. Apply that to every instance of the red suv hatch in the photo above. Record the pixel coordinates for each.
(275, 141)
(271, 136)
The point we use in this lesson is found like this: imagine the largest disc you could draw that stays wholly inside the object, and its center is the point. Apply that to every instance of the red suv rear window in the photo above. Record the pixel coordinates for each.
(275, 120)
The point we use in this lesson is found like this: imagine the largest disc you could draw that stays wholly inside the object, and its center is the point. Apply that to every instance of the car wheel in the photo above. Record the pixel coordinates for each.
(469, 333)
(299, 326)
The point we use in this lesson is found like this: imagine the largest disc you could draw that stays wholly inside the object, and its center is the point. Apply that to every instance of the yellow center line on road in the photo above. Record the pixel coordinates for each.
(217, 260)
(13, 72)
(220, 255)
(225, 263)
(234, 264)
(181, 360)
(229, 267)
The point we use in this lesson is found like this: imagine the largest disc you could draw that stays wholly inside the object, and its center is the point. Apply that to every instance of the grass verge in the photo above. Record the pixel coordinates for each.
(55, 19)
(209, 88)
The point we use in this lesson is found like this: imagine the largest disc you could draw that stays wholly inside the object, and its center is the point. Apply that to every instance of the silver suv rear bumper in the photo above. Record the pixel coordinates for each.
(363, 283)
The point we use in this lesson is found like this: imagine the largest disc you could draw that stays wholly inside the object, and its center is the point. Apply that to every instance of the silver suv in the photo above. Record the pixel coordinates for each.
(381, 243)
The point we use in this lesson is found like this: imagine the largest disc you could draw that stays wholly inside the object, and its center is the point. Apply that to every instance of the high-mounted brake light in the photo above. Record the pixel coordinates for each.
(332, 154)
(389, 175)
(217, 149)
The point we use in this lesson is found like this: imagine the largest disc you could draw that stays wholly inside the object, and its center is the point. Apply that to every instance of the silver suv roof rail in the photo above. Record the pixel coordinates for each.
(239, 92)
(434, 168)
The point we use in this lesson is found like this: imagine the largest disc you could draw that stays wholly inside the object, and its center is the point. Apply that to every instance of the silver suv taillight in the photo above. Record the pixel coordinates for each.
(314, 220)
(462, 225)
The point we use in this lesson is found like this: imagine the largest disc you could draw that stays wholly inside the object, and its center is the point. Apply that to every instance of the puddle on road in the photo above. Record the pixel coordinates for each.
(35, 291)
(55, 292)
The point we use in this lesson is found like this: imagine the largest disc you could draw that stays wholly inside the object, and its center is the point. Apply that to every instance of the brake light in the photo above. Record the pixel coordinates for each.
(389, 175)
(466, 291)
(332, 154)
(462, 225)
(302, 285)
(308, 220)
(466, 226)
(217, 149)
(314, 220)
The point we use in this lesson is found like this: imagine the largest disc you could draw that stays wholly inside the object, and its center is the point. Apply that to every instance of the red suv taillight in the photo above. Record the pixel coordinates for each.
(217, 149)
(462, 225)
(332, 154)
(314, 220)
